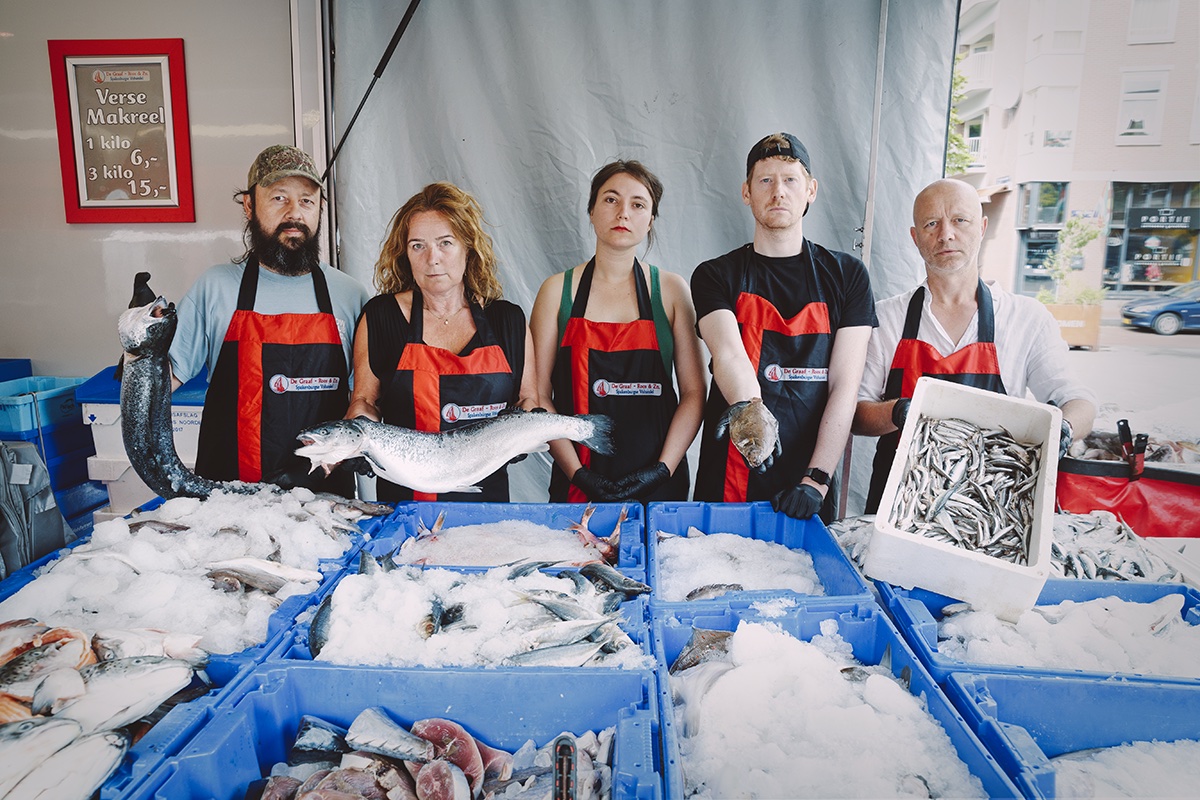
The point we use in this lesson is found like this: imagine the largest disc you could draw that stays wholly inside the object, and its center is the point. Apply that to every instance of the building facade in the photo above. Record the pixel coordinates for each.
(1085, 109)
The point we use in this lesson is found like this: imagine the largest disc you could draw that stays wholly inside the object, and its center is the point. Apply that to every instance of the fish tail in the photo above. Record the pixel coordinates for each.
(601, 439)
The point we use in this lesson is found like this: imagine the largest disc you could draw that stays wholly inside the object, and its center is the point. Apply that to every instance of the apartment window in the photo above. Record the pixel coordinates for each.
(1139, 118)
(1152, 21)
(1042, 204)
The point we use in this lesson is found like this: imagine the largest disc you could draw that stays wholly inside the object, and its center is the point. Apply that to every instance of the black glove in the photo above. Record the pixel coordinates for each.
(1065, 438)
(640, 483)
(800, 502)
(598, 488)
(359, 465)
(900, 412)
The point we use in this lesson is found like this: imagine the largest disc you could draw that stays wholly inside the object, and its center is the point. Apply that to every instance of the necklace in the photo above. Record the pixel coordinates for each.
(446, 319)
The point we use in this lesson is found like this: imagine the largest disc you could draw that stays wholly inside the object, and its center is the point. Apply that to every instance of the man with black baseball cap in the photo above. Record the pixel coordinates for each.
(787, 323)
(274, 328)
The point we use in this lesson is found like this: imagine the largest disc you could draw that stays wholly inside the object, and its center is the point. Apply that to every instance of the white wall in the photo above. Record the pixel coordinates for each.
(62, 286)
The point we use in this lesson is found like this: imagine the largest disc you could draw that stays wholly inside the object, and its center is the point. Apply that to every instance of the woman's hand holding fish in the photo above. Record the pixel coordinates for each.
(640, 483)
(598, 488)
(800, 501)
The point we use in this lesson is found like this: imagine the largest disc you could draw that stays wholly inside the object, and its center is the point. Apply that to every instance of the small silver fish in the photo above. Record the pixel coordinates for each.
(270, 576)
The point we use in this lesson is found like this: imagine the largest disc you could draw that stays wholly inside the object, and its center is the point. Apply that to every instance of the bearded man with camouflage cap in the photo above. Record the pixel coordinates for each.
(275, 329)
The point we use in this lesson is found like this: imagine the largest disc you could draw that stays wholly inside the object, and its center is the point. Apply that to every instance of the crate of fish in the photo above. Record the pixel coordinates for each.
(205, 582)
(712, 552)
(1085, 737)
(510, 616)
(1134, 630)
(968, 505)
(490, 534)
(463, 733)
(819, 702)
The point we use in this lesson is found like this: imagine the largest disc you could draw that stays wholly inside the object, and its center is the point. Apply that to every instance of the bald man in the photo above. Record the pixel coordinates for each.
(958, 328)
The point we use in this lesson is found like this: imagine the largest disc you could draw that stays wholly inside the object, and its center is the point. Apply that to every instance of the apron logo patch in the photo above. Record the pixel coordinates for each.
(452, 412)
(603, 388)
(775, 373)
(282, 383)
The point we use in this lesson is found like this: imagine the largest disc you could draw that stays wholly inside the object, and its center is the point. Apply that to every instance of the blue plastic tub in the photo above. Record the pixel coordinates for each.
(104, 388)
(872, 637)
(401, 525)
(838, 575)
(56, 440)
(75, 500)
(917, 613)
(1026, 719)
(29, 403)
(13, 368)
(256, 723)
(636, 613)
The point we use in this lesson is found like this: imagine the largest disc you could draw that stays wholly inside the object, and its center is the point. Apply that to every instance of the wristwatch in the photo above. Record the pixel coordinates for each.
(817, 475)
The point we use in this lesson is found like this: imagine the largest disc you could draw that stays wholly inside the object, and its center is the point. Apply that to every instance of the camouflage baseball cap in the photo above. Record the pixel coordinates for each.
(281, 161)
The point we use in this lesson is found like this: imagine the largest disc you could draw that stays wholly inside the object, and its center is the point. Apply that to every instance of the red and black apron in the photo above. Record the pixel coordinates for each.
(621, 370)
(975, 365)
(791, 359)
(276, 374)
(434, 390)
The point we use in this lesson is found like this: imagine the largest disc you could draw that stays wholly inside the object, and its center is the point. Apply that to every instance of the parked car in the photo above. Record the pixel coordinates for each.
(1167, 313)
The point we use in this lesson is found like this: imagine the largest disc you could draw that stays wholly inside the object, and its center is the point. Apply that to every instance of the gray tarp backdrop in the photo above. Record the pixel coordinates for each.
(520, 101)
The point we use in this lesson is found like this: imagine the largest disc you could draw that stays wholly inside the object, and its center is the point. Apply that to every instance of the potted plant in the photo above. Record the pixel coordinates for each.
(1076, 309)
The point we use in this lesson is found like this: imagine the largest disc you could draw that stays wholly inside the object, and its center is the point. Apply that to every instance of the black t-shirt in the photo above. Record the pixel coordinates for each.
(388, 330)
(842, 279)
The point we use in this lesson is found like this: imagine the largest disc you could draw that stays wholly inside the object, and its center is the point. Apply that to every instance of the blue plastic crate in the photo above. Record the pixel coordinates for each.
(29, 403)
(75, 500)
(56, 440)
(13, 368)
(401, 525)
(838, 575)
(871, 636)
(636, 613)
(256, 724)
(1024, 720)
(917, 613)
(69, 469)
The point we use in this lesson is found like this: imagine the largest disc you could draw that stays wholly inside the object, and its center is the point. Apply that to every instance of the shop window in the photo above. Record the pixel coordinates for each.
(1152, 21)
(1042, 204)
(1139, 117)
(1153, 194)
(1120, 199)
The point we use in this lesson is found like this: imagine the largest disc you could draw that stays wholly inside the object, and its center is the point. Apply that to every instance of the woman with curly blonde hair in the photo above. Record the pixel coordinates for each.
(438, 348)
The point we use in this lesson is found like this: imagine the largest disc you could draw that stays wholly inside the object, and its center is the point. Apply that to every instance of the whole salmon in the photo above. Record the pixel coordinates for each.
(454, 461)
(146, 333)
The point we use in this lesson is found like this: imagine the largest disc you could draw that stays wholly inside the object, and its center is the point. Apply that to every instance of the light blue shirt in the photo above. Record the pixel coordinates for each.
(206, 309)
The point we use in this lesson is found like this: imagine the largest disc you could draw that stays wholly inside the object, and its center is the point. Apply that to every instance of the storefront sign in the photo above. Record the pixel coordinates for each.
(1172, 219)
(124, 149)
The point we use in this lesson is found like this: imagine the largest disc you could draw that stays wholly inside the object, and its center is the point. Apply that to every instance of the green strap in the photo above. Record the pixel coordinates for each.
(564, 305)
(662, 328)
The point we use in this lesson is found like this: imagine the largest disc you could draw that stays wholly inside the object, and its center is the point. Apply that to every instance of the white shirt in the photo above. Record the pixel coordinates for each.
(1031, 351)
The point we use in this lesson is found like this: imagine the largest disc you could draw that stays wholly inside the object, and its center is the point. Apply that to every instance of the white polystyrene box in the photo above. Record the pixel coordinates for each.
(105, 420)
(126, 489)
(989, 584)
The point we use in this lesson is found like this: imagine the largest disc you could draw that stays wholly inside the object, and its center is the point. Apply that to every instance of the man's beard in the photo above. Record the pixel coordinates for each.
(287, 256)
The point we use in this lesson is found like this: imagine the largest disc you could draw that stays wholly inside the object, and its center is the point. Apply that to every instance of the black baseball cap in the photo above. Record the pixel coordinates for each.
(778, 144)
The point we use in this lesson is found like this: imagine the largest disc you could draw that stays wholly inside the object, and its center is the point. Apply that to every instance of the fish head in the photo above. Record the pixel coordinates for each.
(330, 443)
(148, 329)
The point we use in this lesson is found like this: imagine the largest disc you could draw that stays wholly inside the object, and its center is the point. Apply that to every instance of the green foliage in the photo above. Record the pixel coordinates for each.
(958, 157)
(1073, 237)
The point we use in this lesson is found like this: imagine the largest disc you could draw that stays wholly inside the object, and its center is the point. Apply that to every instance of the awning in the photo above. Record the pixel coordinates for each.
(986, 192)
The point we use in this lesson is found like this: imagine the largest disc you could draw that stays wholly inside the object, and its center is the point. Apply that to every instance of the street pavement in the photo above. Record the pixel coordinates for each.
(1152, 380)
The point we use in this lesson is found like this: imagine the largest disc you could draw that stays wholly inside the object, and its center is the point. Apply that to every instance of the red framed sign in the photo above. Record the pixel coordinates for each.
(123, 143)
